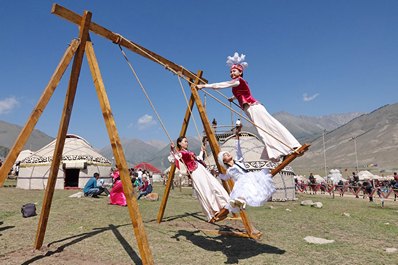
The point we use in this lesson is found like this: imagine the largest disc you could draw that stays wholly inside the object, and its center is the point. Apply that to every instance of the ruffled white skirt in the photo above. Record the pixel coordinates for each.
(256, 188)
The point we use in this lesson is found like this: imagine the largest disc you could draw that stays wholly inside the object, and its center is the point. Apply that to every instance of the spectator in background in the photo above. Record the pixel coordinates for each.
(146, 188)
(92, 189)
(395, 185)
(117, 196)
(312, 183)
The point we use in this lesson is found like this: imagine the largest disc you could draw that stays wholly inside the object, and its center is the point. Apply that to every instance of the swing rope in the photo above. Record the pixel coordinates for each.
(150, 102)
(192, 83)
(144, 91)
(248, 120)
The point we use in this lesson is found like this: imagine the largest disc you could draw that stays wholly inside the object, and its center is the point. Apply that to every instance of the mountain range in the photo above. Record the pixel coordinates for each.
(368, 142)
(343, 139)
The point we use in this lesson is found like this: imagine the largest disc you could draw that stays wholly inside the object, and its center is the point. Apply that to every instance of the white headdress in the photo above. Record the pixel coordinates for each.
(220, 157)
(237, 61)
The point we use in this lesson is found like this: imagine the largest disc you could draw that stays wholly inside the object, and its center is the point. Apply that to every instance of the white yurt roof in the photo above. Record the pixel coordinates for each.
(76, 149)
(319, 179)
(335, 176)
(24, 154)
(365, 175)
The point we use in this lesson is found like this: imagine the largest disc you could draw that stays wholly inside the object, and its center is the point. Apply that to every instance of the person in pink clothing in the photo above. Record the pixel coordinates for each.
(117, 196)
(278, 141)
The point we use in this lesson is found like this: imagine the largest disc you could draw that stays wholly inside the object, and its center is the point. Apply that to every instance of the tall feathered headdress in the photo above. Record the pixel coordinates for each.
(237, 62)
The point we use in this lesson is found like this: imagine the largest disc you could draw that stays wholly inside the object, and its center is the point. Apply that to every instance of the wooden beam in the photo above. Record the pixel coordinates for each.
(183, 131)
(290, 158)
(37, 111)
(116, 38)
(134, 211)
(63, 128)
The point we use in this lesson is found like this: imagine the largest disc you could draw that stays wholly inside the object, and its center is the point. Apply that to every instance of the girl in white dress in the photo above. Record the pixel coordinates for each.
(251, 188)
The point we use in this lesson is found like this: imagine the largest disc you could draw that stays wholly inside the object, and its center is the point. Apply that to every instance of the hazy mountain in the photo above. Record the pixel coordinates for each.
(307, 128)
(160, 160)
(370, 139)
(135, 150)
(157, 143)
(9, 133)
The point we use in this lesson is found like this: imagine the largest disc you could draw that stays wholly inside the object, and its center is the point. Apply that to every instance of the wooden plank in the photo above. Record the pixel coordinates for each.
(290, 158)
(116, 38)
(63, 128)
(37, 111)
(183, 131)
(133, 208)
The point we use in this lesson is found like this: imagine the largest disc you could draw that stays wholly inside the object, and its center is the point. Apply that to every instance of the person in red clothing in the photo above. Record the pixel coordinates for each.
(146, 187)
(278, 141)
(117, 196)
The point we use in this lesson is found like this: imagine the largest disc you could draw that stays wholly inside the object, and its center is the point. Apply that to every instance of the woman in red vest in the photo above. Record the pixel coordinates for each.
(278, 141)
(212, 196)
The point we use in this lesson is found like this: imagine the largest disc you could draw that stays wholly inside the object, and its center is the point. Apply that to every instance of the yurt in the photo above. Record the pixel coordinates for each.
(252, 148)
(79, 162)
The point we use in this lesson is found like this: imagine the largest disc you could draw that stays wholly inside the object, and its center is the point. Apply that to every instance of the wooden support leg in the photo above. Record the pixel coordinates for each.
(37, 111)
(132, 204)
(59, 146)
(172, 169)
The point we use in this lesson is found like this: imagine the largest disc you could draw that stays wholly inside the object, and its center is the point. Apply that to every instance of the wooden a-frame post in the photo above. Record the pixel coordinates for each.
(134, 211)
(63, 128)
(116, 38)
(77, 50)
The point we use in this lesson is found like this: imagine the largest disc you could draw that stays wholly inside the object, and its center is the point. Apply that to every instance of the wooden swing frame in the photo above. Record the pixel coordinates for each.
(76, 50)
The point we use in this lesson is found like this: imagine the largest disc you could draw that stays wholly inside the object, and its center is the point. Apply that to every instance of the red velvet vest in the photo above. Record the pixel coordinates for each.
(189, 159)
(242, 93)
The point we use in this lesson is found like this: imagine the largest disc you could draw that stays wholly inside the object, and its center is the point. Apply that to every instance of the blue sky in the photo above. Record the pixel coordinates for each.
(305, 57)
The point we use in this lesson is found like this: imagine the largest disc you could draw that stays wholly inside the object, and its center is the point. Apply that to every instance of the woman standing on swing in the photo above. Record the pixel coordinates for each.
(211, 194)
(278, 141)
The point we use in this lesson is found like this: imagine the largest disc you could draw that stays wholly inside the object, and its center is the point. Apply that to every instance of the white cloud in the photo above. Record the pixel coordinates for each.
(7, 104)
(145, 122)
(309, 98)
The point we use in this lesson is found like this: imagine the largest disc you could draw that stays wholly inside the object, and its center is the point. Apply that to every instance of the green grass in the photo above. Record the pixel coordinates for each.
(81, 230)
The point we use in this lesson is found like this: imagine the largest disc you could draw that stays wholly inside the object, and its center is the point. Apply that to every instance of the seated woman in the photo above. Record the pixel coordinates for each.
(211, 194)
(251, 188)
(117, 196)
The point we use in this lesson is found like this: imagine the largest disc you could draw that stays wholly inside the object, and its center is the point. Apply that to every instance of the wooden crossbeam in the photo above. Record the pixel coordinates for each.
(63, 128)
(116, 38)
(37, 111)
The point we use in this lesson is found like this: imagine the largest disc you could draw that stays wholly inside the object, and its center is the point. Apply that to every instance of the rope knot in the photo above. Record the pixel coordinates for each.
(118, 39)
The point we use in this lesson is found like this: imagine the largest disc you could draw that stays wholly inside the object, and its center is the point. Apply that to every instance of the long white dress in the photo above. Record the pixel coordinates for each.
(211, 194)
(256, 188)
(278, 141)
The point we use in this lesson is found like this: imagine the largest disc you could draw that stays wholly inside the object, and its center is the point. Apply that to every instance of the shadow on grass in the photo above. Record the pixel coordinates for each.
(172, 218)
(80, 237)
(5, 227)
(234, 248)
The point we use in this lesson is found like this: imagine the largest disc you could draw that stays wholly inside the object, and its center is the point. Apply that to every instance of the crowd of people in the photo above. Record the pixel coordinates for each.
(141, 181)
(353, 184)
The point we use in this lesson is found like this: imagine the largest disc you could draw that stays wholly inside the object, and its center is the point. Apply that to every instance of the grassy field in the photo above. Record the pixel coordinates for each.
(89, 231)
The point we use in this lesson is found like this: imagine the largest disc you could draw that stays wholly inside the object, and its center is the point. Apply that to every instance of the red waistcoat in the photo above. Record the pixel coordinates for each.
(242, 93)
(189, 159)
